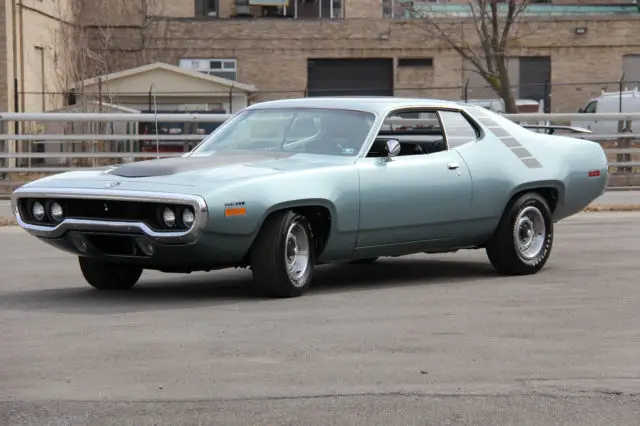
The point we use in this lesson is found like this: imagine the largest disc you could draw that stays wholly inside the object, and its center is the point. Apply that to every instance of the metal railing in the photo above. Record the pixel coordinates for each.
(11, 150)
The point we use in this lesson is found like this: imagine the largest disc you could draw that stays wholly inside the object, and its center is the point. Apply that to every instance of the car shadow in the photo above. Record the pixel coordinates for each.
(231, 286)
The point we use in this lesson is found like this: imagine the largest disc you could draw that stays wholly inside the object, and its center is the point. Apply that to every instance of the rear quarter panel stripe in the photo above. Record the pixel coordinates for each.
(510, 142)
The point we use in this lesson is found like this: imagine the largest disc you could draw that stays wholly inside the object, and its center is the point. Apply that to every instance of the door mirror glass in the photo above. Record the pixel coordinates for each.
(393, 147)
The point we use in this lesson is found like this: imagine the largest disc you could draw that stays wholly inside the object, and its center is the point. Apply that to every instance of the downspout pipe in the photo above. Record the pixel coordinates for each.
(16, 89)
(21, 48)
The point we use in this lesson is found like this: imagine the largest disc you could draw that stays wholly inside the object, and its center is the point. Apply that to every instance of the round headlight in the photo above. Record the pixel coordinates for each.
(37, 210)
(188, 217)
(168, 217)
(56, 211)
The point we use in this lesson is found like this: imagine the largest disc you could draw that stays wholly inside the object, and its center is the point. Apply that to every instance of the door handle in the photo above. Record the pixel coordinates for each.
(453, 165)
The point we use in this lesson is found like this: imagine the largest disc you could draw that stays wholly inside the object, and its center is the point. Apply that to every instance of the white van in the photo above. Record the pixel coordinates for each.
(609, 102)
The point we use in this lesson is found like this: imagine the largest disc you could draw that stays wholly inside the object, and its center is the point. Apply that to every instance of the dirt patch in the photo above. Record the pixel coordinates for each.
(613, 208)
(6, 221)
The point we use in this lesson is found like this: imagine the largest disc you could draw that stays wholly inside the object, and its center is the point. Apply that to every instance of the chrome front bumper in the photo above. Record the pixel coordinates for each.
(134, 227)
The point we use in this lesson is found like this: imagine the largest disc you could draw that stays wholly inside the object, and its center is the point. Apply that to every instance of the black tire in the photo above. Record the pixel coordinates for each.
(109, 276)
(502, 249)
(365, 261)
(269, 254)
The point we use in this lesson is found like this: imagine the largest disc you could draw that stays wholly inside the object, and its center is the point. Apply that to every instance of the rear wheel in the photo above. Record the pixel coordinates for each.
(283, 255)
(523, 240)
(109, 276)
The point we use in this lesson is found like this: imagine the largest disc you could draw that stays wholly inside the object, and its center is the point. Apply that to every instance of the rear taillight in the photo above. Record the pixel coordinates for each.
(594, 173)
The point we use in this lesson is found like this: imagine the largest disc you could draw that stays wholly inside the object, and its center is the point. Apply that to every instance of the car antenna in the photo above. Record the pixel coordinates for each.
(155, 112)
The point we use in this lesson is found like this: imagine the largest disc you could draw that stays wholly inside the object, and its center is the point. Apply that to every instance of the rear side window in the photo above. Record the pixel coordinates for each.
(457, 129)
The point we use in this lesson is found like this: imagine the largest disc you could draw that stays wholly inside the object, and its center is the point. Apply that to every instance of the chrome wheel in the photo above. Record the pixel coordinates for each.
(529, 233)
(297, 254)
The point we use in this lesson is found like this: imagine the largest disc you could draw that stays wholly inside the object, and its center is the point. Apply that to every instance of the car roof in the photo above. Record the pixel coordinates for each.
(373, 104)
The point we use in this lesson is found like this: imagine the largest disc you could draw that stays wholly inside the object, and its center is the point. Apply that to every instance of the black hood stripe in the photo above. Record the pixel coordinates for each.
(172, 166)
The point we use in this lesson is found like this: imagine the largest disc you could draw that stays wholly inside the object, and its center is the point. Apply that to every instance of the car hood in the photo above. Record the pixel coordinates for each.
(187, 174)
(224, 165)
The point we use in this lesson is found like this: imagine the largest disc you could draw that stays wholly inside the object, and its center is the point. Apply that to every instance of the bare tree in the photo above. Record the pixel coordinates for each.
(496, 25)
(89, 43)
(91, 40)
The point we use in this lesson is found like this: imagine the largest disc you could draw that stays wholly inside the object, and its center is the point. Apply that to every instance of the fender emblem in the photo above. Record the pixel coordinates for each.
(112, 184)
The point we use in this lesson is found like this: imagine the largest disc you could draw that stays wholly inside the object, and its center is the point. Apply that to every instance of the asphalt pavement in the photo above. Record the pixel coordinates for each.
(418, 340)
(608, 198)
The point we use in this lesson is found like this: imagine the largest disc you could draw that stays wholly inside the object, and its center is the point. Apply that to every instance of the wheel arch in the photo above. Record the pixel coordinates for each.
(321, 214)
(551, 190)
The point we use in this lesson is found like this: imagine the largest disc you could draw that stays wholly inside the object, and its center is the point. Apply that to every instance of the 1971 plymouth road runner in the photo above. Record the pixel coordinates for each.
(286, 185)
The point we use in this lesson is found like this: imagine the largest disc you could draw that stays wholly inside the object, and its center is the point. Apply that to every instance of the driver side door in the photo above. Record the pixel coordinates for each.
(417, 199)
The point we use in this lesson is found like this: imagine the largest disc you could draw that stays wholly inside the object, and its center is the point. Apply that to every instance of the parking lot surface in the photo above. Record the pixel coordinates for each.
(418, 340)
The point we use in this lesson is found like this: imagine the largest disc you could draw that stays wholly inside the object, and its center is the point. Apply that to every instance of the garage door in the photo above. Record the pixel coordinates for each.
(631, 70)
(535, 75)
(350, 77)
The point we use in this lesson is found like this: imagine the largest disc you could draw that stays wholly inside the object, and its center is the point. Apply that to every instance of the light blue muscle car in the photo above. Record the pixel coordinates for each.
(286, 185)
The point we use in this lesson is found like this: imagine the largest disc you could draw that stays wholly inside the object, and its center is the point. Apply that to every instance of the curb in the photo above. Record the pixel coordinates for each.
(612, 208)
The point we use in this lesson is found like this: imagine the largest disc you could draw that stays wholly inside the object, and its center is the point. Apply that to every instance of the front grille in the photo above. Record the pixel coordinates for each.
(146, 212)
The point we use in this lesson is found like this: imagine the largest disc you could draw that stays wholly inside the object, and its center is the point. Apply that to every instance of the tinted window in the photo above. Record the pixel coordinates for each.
(457, 128)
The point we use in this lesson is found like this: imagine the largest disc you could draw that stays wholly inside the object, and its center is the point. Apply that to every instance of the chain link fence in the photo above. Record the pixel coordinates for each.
(554, 97)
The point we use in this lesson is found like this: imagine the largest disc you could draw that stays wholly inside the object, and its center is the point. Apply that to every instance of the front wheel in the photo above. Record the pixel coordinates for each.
(109, 276)
(283, 255)
(522, 242)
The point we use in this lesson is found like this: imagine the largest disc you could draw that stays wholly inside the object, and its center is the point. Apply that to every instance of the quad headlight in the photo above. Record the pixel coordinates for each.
(168, 217)
(180, 217)
(56, 211)
(37, 210)
(188, 217)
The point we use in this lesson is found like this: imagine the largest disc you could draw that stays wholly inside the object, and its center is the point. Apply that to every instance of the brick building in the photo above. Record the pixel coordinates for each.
(313, 47)
(316, 47)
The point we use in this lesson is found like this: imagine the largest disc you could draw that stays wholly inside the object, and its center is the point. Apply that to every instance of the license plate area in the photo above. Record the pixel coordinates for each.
(117, 245)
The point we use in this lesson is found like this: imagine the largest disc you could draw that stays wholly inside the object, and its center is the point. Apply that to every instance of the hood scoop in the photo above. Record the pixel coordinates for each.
(172, 166)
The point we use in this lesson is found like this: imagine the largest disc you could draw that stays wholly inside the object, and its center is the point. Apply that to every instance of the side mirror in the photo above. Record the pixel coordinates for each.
(580, 110)
(393, 148)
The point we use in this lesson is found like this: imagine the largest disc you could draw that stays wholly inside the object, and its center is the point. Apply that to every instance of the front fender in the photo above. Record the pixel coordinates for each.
(303, 202)
(335, 189)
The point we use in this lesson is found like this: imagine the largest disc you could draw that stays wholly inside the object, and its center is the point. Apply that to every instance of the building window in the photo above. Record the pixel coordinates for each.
(318, 8)
(206, 8)
(225, 68)
(306, 9)
(415, 62)
(399, 8)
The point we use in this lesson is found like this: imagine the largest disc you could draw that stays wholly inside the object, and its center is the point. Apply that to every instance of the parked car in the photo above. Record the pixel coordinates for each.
(627, 101)
(178, 129)
(286, 185)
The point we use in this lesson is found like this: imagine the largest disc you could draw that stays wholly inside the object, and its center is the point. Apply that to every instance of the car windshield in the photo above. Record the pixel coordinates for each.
(307, 130)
